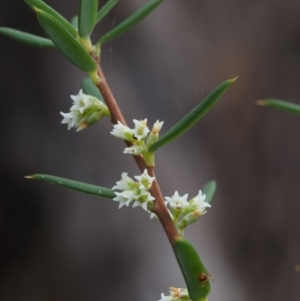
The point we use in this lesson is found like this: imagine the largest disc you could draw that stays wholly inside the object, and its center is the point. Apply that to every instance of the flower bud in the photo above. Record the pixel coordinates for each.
(153, 136)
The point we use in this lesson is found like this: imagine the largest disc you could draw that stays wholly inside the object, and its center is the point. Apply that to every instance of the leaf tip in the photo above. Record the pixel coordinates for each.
(37, 10)
(214, 183)
(29, 177)
(232, 80)
(261, 102)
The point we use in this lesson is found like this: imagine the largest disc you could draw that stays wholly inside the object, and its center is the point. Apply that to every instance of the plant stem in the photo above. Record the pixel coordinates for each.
(160, 208)
(161, 211)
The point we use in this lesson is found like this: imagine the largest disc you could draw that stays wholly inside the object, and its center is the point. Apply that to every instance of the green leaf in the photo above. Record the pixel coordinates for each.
(281, 105)
(27, 38)
(209, 190)
(130, 22)
(87, 17)
(195, 274)
(89, 88)
(106, 9)
(75, 185)
(68, 45)
(191, 118)
(43, 6)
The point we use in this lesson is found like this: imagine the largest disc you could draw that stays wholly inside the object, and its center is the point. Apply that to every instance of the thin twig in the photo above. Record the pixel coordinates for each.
(160, 208)
(161, 211)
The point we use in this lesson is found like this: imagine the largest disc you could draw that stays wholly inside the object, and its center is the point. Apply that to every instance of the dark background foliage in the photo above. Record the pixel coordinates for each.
(62, 245)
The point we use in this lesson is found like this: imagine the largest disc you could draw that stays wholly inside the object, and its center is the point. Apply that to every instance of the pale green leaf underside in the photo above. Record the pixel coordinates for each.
(281, 105)
(68, 45)
(89, 88)
(75, 185)
(130, 22)
(192, 117)
(74, 22)
(209, 190)
(27, 38)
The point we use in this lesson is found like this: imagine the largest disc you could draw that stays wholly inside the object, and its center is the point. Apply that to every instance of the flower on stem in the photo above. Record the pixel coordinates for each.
(125, 184)
(80, 102)
(176, 294)
(198, 203)
(153, 136)
(145, 180)
(123, 132)
(85, 111)
(141, 130)
(157, 127)
(134, 150)
(185, 213)
(142, 199)
(140, 138)
(134, 192)
(176, 202)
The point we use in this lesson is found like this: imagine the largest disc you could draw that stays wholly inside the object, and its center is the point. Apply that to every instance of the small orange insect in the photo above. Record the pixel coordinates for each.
(204, 278)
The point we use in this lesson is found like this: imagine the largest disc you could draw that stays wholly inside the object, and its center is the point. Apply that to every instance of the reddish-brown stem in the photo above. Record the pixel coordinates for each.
(161, 211)
(116, 114)
(160, 208)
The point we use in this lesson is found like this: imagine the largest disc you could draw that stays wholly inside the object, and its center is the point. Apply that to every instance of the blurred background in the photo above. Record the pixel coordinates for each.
(60, 245)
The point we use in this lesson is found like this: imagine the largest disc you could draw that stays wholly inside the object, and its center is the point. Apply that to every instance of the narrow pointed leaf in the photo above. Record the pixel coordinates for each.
(191, 118)
(87, 17)
(281, 105)
(89, 88)
(195, 274)
(130, 22)
(27, 38)
(68, 45)
(43, 6)
(106, 9)
(209, 190)
(75, 185)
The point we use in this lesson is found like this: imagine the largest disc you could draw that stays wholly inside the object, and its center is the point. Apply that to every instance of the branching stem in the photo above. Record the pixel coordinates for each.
(160, 208)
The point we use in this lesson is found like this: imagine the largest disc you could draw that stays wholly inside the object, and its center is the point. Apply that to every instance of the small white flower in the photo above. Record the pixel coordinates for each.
(142, 199)
(141, 130)
(86, 110)
(145, 180)
(134, 150)
(125, 184)
(124, 198)
(177, 202)
(135, 192)
(71, 118)
(81, 101)
(122, 131)
(198, 203)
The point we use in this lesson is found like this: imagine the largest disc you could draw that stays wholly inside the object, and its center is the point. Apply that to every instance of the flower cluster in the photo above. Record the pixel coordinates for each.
(185, 212)
(86, 110)
(138, 136)
(136, 192)
(176, 294)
